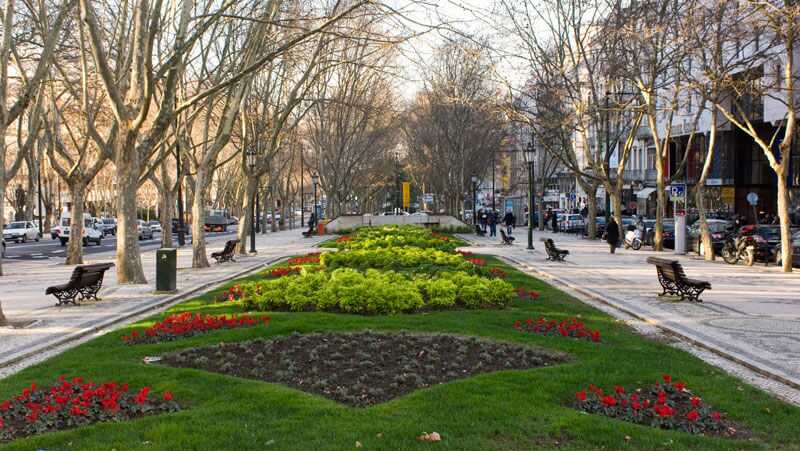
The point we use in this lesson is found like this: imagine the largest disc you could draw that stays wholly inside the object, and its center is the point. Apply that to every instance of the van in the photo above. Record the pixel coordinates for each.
(91, 232)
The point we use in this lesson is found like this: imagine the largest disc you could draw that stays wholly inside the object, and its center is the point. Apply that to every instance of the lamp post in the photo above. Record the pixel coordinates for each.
(302, 194)
(315, 180)
(251, 163)
(474, 198)
(530, 154)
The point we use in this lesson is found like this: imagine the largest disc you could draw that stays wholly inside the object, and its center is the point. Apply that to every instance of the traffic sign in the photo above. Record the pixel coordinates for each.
(752, 198)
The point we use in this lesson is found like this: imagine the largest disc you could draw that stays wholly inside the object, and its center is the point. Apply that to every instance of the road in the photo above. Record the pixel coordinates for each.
(48, 248)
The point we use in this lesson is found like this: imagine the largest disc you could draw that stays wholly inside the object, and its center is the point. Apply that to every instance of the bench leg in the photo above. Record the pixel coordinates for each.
(692, 293)
(66, 297)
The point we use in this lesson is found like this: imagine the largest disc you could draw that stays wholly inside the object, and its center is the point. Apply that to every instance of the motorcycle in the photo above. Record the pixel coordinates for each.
(739, 248)
(633, 239)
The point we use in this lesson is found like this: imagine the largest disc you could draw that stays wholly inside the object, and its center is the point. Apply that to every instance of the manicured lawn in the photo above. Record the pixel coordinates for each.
(511, 410)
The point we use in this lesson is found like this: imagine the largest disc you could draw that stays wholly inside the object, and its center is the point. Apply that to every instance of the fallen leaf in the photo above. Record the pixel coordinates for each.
(432, 437)
(359, 445)
(379, 435)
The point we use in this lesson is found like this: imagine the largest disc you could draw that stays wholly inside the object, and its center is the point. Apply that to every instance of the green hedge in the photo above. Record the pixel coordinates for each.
(395, 258)
(375, 292)
(399, 236)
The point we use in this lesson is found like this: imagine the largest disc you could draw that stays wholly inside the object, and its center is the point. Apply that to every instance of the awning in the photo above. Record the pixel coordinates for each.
(645, 193)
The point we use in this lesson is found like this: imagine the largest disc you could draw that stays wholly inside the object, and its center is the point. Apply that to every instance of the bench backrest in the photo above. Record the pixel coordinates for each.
(86, 275)
(549, 244)
(671, 269)
(230, 245)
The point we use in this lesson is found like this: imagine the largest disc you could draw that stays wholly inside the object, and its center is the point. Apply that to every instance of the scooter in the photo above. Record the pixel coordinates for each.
(633, 239)
(739, 248)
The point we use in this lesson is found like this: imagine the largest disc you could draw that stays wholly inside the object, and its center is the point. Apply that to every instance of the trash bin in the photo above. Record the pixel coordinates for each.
(321, 228)
(166, 269)
(680, 234)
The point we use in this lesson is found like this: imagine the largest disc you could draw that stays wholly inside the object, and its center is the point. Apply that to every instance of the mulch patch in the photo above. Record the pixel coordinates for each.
(364, 368)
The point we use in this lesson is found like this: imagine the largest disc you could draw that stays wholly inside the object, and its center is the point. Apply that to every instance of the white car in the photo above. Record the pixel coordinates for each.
(91, 234)
(20, 231)
(145, 232)
(155, 226)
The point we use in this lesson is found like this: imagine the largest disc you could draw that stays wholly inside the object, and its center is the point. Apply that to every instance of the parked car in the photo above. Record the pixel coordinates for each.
(155, 226)
(109, 226)
(92, 232)
(719, 228)
(55, 231)
(571, 223)
(145, 232)
(20, 231)
(667, 236)
(778, 259)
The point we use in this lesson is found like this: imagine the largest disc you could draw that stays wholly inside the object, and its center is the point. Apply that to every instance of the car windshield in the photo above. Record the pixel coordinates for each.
(16, 225)
(769, 233)
(87, 223)
(108, 221)
(717, 226)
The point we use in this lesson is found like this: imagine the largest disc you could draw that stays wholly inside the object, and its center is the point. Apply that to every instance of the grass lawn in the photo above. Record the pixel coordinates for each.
(511, 410)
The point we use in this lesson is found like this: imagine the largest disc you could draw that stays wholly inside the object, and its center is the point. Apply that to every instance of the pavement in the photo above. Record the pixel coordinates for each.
(751, 316)
(44, 327)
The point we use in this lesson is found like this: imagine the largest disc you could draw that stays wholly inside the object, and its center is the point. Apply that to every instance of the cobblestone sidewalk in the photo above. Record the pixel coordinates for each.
(751, 315)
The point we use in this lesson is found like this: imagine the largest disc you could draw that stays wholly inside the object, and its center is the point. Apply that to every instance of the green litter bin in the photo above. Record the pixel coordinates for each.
(166, 269)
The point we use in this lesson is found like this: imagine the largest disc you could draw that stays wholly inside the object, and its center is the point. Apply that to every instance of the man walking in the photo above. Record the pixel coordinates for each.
(492, 223)
(509, 220)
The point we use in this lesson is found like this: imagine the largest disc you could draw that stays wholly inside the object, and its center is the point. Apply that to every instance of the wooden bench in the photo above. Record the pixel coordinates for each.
(507, 240)
(554, 254)
(675, 282)
(85, 282)
(226, 254)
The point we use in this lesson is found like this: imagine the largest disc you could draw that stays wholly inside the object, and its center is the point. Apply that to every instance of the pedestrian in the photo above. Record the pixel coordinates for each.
(509, 220)
(492, 223)
(484, 220)
(585, 211)
(554, 221)
(612, 234)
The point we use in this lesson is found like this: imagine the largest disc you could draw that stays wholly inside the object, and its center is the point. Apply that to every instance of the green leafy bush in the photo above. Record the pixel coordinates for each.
(398, 236)
(375, 292)
(394, 258)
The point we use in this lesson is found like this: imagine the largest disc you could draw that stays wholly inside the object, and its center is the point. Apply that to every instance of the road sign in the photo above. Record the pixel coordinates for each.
(728, 195)
(509, 205)
(677, 192)
(427, 198)
(752, 198)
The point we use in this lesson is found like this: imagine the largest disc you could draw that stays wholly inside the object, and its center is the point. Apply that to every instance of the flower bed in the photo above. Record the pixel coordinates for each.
(188, 324)
(73, 403)
(232, 294)
(528, 294)
(284, 271)
(570, 327)
(365, 368)
(375, 292)
(664, 405)
(308, 259)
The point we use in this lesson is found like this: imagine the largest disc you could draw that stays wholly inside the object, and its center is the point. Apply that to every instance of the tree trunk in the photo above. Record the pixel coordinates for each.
(3, 320)
(167, 205)
(30, 194)
(700, 200)
(246, 219)
(661, 201)
(75, 244)
(591, 217)
(783, 214)
(129, 258)
(199, 258)
(616, 205)
(540, 200)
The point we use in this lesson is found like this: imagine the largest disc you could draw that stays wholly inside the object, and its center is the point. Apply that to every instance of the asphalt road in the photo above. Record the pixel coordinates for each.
(47, 248)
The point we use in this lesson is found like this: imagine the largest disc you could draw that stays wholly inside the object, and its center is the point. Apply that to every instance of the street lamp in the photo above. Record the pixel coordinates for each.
(530, 154)
(315, 180)
(474, 198)
(252, 157)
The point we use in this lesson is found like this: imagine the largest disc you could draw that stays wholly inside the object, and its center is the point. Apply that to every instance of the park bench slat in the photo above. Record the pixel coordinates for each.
(226, 254)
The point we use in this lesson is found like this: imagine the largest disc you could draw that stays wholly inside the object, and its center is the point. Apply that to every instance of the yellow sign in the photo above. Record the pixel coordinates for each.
(406, 195)
(728, 195)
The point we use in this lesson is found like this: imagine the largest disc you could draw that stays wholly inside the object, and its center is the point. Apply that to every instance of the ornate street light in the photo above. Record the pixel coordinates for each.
(252, 160)
(530, 156)
(474, 180)
(315, 181)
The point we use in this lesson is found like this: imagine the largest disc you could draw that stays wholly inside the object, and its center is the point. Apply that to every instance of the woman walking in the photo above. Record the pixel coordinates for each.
(612, 234)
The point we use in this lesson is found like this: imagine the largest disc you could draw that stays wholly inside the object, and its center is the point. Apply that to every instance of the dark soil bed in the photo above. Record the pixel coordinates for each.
(364, 368)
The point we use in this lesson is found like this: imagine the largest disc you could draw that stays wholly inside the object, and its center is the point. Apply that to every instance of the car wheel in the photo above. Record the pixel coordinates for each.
(24, 238)
(36, 239)
(99, 241)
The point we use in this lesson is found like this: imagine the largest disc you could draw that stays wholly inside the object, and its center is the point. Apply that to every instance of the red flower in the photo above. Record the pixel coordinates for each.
(636, 405)
(32, 417)
(680, 386)
(1, 423)
(609, 401)
(619, 389)
(664, 411)
(716, 416)
(77, 411)
(667, 378)
(167, 396)
(596, 336)
(692, 416)
(517, 324)
(695, 401)
(581, 395)
(5, 405)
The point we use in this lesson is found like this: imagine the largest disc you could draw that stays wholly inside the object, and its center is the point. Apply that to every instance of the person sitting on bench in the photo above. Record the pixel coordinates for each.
(507, 239)
(312, 223)
(479, 231)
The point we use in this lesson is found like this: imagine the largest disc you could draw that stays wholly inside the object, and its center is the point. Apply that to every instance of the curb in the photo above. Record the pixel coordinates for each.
(168, 301)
